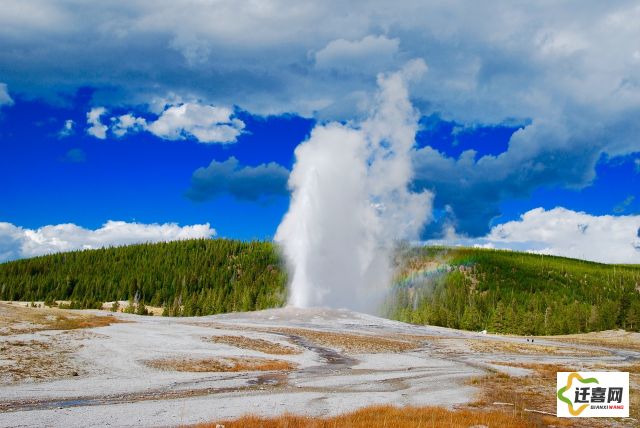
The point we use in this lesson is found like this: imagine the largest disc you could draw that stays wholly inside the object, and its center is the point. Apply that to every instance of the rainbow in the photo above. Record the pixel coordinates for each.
(411, 277)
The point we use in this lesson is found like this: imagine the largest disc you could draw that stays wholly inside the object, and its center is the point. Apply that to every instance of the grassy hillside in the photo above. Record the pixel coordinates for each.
(511, 292)
(194, 277)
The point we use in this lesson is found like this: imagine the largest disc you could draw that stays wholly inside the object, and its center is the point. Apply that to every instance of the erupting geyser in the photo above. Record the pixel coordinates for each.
(350, 202)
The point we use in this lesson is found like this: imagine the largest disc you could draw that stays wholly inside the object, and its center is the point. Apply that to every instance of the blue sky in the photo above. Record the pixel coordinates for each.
(189, 113)
(139, 177)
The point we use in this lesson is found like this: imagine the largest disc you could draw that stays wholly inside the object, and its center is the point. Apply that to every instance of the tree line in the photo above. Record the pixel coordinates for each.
(472, 289)
(187, 278)
(513, 292)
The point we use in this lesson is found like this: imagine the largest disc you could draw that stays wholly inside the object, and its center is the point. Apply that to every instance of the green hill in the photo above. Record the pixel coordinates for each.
(195, 277)
(474, 289)
(513, 292)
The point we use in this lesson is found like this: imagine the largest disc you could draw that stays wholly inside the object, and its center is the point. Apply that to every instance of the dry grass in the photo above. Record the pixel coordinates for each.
(619, 339)
(34, 360)
(486, 346)
(634, 384)
(386, 416)
(523, 394)
(345, 342)
(259, 345)
(17, 319)
(227, 364)
(537, 392)
(352, 343)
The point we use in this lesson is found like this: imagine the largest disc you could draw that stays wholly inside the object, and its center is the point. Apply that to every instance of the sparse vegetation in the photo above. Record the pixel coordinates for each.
(259, 345)
(34, 360)
(611, 339)
(25, 358)
(484, 346)
(228, 364)
(529, 396)
(15, 319)
(353, 343)
(388, 417)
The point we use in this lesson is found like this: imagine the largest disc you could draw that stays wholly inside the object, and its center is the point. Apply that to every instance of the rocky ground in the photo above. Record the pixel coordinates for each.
(93, 368)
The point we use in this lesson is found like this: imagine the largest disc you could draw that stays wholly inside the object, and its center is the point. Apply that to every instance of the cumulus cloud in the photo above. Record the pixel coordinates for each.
(96, 127)
(488, 61)
(205, 123)
(573, 76)
(243, 182)
(563, 232)
(67, 129)
(202, 122)
(5, 98)
(127, 123)
(17, 242)
(543, 153)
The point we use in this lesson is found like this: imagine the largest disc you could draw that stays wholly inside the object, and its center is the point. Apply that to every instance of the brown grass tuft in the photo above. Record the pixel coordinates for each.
(487, 346)
(259, 345)
(618, 339)
(528, 396)
(227, 364)
(34, 360)
(16, 319)
(352, 343)
(386, 416)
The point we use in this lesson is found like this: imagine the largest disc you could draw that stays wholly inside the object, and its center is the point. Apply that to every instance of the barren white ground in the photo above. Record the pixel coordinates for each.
(116, 388)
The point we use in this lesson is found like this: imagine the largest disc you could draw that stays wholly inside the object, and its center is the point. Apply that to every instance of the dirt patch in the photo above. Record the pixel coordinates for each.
(16, 319)
(533, 397)
(499, 346)
(22, 360)
(618, 339)
(228, 364)
(352, 343)
(345, 342)
(259, 345)
(386, 416)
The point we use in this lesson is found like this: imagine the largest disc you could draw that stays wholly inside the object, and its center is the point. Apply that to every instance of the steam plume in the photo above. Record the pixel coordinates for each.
(350, 202)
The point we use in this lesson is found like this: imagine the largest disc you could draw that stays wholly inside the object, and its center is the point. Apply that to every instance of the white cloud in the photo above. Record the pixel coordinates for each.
(202, 122)
(568, 68)
(205, 123)
(489, 61)
(375, 53)
(563, 232)
(67, 129)
(97, 128)
(127, 123)
(17, 242)
(5, 98)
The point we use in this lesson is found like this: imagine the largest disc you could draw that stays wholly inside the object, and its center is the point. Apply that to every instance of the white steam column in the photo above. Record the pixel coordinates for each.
(350, 202)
